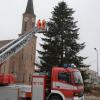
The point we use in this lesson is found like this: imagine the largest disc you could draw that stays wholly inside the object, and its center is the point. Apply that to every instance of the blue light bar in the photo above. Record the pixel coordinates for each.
(69, 65)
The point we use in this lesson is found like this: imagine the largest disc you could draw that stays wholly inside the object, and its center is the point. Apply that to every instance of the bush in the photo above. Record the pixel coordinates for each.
(88, 88)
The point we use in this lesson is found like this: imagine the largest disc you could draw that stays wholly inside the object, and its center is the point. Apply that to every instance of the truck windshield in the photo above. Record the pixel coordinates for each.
(78, 78)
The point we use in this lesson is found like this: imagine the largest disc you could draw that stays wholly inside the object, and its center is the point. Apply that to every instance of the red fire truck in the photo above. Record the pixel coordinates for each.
(62, 84)
(65, 83)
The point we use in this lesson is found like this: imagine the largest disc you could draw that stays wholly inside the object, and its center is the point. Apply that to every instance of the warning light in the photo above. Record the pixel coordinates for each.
(69, 65)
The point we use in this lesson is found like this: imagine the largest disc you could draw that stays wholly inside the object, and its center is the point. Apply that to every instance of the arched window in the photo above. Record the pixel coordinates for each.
(13, 67)
(25, 26)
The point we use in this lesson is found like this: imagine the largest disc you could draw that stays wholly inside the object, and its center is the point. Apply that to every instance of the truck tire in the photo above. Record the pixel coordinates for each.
(55, 97)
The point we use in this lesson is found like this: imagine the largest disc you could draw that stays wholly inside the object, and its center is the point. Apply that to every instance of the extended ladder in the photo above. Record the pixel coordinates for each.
(16, 45)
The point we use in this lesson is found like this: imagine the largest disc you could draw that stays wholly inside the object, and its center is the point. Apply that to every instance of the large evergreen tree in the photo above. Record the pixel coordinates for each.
(61, 41)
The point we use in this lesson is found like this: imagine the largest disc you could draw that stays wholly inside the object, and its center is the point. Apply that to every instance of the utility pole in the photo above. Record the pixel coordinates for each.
(97, 61)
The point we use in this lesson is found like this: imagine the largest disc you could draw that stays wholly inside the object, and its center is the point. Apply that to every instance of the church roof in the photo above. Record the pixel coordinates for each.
(4, 42)
(29, 8)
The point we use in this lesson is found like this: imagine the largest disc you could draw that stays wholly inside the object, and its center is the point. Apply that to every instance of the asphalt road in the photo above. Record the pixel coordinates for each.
(92, 97)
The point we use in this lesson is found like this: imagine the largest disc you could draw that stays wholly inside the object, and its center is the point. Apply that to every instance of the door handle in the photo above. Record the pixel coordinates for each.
(58, 86)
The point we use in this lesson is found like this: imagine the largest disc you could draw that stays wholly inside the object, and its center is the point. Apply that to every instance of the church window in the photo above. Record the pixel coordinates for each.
(25, 26)
(13, 67)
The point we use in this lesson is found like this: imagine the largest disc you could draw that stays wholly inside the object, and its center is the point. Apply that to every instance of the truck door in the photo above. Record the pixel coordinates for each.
(63, 84)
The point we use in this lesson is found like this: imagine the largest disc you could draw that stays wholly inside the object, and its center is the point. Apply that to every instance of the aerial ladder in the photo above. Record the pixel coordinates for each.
(18, 44)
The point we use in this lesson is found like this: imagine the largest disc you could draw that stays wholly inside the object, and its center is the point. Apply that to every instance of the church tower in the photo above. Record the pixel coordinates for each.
(29, 17)
(22, 64)
(27, 54)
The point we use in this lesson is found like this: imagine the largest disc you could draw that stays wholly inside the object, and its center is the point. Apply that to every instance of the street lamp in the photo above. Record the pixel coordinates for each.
(97, 61)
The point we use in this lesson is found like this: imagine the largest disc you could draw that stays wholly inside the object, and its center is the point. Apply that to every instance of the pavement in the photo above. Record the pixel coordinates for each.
(91, 97)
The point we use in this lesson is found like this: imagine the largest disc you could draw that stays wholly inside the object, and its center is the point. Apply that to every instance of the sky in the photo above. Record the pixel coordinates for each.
(86, 13)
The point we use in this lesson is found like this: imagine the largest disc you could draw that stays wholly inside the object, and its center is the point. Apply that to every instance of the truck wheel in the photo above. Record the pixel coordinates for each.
(55, 97)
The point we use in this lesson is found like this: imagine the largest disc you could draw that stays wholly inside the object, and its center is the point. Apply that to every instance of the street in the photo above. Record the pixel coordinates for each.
(91, 97)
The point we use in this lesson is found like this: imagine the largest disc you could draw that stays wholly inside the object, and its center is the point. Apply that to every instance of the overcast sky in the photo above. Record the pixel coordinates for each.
(86, 13)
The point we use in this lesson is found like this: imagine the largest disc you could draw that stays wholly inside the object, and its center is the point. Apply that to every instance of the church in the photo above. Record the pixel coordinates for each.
(22, 64)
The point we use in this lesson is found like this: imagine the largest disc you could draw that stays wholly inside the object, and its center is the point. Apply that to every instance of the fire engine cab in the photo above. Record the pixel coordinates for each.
(64, 83)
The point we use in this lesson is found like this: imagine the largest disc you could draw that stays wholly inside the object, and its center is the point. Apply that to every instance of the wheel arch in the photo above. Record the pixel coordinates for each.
(56, 92)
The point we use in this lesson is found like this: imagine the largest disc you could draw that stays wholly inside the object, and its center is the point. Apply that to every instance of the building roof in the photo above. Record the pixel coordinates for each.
(92, 71)
(4, 42)
(29, 8)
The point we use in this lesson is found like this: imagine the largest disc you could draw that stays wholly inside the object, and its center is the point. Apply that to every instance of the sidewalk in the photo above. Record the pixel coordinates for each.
(91, 97)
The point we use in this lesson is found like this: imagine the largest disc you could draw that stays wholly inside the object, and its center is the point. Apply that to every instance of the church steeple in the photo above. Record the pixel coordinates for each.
(28, 17)
(29, 8)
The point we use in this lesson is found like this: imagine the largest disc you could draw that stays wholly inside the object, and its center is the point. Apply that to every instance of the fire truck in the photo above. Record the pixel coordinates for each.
(62, 83)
